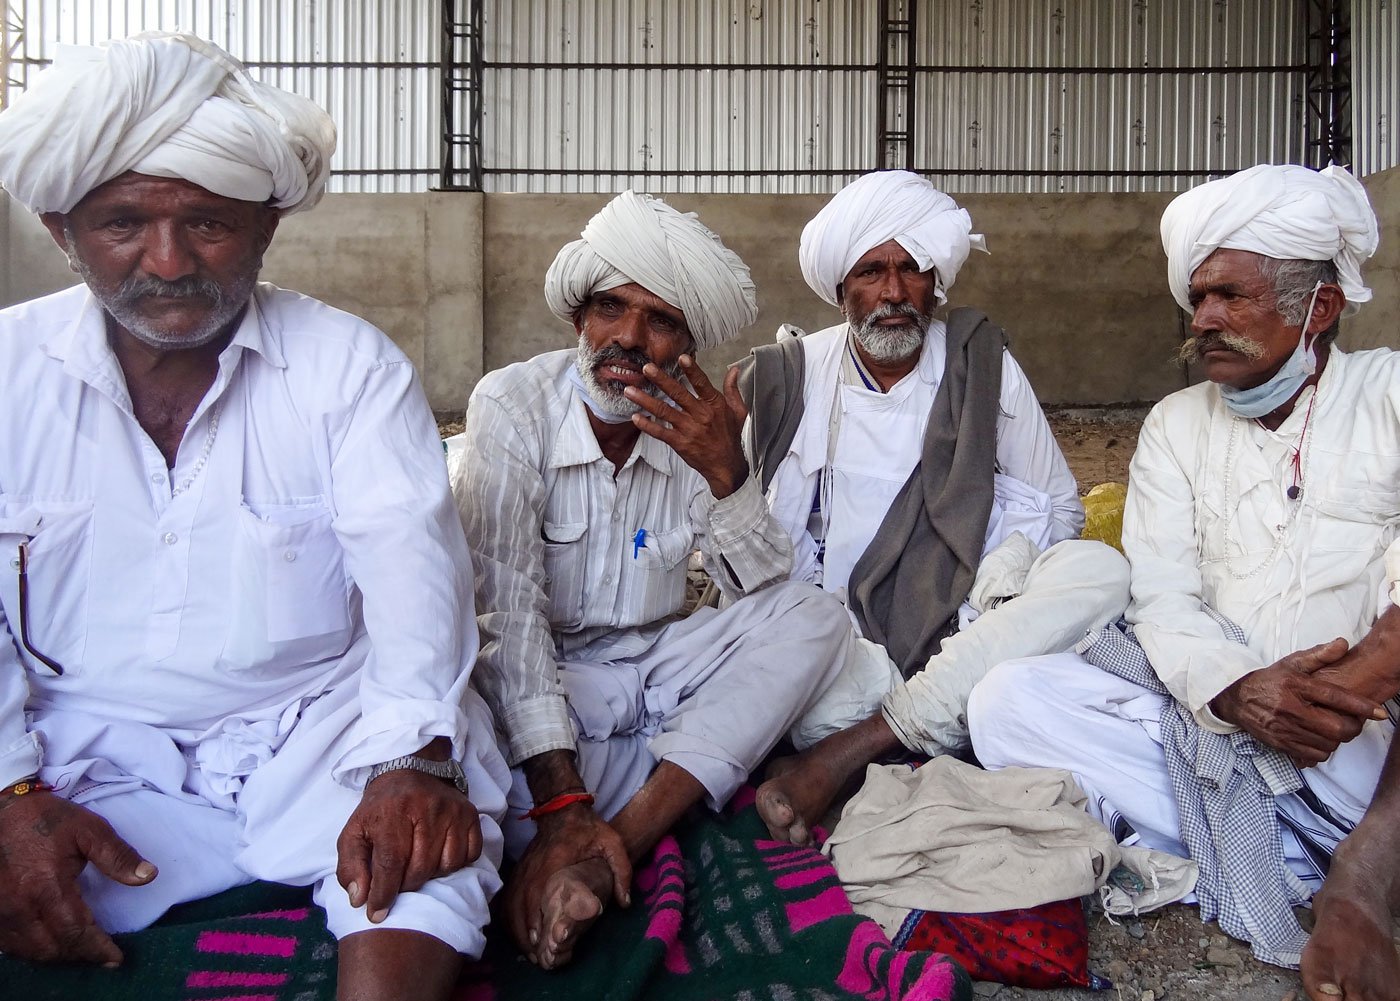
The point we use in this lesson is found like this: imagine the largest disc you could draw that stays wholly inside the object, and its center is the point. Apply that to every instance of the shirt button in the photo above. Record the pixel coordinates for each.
(14, 563)
(290, 556)
(170, 538)
(607, 579)
(157, 479)
(617, 516)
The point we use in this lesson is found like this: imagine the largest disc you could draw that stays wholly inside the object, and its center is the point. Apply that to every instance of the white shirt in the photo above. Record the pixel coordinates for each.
(312, 543)
(554, 537)
(880, 441)
(1208, 519)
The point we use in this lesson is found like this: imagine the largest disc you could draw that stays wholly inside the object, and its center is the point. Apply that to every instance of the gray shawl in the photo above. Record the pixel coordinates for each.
(906, 588)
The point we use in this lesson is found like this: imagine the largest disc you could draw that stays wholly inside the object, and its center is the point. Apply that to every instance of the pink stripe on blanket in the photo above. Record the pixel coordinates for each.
(244, 997)
(246, 944)
(297, 914)
(791, 880)
(231, 978)
(824, 906)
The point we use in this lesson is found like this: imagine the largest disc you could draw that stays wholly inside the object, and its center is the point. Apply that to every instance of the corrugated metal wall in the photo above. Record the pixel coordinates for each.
(370, 63)
(1375, 92)
(782, 95)
(1010, 95)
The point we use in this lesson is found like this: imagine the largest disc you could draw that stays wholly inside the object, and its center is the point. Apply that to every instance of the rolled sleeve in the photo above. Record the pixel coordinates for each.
(744, 546)
(405, 550)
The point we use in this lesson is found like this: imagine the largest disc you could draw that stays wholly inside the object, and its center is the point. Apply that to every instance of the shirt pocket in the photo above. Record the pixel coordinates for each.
(290, 593)
(59, 543)
(565, 566)
(1354, 519)
(663, 559)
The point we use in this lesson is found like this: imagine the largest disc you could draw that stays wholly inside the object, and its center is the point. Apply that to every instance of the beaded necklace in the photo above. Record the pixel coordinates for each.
(1302, 453)
(199, 463)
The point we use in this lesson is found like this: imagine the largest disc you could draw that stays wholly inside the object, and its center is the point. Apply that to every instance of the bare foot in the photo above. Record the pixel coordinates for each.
(574, 898)
(800, 790)
(1351, 955)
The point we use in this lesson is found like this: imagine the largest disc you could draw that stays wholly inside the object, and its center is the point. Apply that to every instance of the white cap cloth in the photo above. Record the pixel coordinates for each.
(1285, 212)
(168, 105)
(880, 207)
(640, 239)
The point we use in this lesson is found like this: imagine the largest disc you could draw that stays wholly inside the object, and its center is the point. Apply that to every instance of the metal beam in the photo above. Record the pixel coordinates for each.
(1327, 128)
(895, 84)
(461, 71)
(11, 37)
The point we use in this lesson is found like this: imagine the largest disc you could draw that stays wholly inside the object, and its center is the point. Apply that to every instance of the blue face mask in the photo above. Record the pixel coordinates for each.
(1287, 381)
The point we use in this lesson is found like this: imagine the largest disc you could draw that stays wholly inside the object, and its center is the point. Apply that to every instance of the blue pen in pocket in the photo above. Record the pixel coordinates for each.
(639, 542)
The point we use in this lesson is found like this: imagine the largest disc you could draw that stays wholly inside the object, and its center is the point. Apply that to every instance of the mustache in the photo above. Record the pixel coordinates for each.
(1193, 348)
(890, 310)
(613, 353)
(189, 287)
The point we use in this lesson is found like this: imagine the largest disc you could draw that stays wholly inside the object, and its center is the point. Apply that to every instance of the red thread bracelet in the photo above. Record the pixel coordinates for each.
(557, 803)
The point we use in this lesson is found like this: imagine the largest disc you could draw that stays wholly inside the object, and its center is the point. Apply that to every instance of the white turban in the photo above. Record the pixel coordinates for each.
(168, 105)
(1285, 212)
(640, 239)
(880, 207)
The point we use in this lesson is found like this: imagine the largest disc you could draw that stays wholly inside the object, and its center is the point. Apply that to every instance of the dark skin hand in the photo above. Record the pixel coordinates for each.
(45, 842)
(408, 828)
(705, 425)
(568, 836)
(1289, 708)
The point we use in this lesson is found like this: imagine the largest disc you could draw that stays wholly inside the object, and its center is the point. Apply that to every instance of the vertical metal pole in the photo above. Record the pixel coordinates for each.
(911, 62)
(460, 67)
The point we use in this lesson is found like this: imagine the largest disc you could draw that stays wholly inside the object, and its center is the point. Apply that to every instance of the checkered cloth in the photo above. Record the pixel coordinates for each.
(1225, 786)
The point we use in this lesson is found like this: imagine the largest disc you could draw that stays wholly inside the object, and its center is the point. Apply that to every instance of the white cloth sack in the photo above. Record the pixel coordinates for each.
(951, 837)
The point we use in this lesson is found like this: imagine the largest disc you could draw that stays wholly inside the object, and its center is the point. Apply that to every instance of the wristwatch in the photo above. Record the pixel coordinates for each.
(448, 771)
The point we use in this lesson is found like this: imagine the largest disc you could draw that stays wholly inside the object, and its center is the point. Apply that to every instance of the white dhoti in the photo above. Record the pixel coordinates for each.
(1060, 711)
(258, 802)
(1070, 588)
(711, 693)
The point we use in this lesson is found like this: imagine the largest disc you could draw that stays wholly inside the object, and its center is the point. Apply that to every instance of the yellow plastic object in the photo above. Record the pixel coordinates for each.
(1103, 514)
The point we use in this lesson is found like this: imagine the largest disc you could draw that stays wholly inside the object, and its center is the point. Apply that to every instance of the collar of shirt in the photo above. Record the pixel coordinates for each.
(577, 445)
(87, 354)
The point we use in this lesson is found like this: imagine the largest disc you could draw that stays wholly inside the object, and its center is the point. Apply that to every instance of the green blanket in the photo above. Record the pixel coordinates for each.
(720, 912)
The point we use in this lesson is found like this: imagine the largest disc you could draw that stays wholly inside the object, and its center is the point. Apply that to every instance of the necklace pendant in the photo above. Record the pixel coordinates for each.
(1294, 492)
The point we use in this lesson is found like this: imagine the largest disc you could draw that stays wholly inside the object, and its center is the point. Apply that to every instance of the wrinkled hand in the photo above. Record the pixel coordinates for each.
(704, 424)
(409, 828)
(573, 834)
(1289, 708)
(45, 841)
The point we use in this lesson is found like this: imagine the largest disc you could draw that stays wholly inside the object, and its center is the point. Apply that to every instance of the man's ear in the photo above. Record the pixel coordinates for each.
(1331, 300)
(267, 226)
(841, 294)
(53, 222)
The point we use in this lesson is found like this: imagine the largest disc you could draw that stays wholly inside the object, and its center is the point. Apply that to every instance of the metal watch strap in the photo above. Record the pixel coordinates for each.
(449, 770)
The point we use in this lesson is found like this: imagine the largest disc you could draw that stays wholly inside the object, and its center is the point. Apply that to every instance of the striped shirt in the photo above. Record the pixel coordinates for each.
(575, 560)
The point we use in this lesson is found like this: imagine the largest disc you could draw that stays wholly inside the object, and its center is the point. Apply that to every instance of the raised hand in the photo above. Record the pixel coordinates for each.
(702, 426)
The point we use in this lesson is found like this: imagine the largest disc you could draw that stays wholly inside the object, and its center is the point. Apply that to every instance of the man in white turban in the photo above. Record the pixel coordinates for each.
(589, 477)
(1260, 528)
(920, 484)
(238, 623)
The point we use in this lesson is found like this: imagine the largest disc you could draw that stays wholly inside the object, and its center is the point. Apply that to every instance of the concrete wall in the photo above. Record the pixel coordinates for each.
(1378, 323)
(1077, 280)
(456, 279)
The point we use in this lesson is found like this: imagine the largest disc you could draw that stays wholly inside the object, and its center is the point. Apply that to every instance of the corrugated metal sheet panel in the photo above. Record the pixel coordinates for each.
(763, 87)
(1031, 125)
(1375, 97)
(372, 65)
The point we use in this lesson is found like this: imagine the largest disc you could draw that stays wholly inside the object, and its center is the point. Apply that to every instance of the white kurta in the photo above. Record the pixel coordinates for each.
(307, 544)
(1072, 587)
(1208, 520)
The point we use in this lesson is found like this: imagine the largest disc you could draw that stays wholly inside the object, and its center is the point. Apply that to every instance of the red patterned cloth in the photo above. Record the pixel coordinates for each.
(1039, 947)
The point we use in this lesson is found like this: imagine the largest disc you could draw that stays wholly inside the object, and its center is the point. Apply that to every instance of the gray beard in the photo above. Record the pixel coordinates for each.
(1190, 351)
(607, 395)
(122, 305)
(887, 345)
